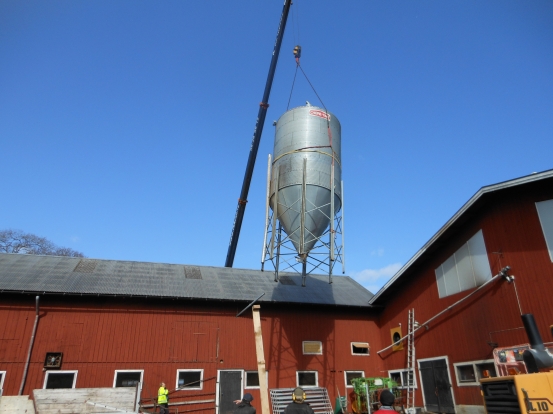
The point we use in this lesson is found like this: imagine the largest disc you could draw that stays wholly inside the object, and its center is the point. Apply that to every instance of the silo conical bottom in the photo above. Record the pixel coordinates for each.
(317, 214)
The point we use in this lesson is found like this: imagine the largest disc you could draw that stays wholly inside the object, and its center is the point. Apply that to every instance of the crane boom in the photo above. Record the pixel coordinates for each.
(241, 208)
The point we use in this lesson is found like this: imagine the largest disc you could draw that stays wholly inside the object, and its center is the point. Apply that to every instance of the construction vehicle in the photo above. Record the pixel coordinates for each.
(525, 393)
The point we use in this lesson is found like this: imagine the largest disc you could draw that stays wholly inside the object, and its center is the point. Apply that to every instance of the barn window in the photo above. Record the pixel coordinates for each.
(470, 373)
(307, 378)
(349, 375)
(401, 376)
(251, 379)
(2, 377)
(467, 268)
(312, 347)
(60, 379)
(545, 213)
(127, 378)
(190, 379)
(360, 348)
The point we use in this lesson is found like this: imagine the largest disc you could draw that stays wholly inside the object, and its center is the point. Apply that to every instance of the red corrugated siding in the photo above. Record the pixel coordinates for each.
(99, 336)
(511, 227)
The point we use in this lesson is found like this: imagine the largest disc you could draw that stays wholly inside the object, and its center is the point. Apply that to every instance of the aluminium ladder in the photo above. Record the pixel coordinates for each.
(411, 362)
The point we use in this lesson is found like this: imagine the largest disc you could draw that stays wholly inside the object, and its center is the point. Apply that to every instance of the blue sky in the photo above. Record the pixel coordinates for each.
(125, 126)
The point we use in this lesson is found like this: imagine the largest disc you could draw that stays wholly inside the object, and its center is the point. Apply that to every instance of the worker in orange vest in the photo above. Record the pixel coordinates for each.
(163, 399)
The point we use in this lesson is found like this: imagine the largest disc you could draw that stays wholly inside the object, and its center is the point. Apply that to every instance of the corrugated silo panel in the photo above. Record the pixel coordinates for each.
(302, 137)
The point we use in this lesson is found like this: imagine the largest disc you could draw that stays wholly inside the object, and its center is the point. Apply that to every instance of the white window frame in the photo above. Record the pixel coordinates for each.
(475, 369)
(3, 373)
(401, 371)
(545, 215)
(311, 353)
(60, 372)
(127, 370)
(364, 343)
(346, 377)
(307, 386)
(248, 387)
(191, 388)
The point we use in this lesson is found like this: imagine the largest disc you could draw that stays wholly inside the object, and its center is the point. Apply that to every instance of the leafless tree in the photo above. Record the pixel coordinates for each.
(16, 241)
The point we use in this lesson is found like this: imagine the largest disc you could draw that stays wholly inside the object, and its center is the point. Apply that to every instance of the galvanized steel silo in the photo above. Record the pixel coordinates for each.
(307, 144)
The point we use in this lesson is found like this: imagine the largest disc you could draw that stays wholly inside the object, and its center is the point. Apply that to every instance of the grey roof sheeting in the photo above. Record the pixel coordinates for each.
(527, 179)
(68, 275)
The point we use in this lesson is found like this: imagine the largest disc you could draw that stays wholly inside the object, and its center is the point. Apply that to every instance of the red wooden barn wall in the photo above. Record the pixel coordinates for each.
(513, 237)
(100, 335)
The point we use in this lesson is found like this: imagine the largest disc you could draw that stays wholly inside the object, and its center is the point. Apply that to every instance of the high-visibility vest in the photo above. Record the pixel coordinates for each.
(162, 395)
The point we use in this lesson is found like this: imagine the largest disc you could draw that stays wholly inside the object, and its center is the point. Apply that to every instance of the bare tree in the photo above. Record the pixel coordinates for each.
(16, 241)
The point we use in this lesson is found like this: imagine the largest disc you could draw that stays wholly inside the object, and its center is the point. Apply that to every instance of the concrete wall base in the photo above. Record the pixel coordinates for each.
(18, 404)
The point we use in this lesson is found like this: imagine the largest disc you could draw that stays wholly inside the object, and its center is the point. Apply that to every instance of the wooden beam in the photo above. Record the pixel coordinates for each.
(261, 371)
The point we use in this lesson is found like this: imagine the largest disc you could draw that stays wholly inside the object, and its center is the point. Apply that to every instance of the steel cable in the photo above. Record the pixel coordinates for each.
(292, 89)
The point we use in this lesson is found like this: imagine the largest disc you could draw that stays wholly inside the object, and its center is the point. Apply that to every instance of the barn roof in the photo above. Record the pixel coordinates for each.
(67, 275)
(483, 197)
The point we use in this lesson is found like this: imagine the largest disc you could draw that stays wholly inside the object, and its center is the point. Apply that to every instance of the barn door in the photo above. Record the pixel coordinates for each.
(436, 386)
(229, 389)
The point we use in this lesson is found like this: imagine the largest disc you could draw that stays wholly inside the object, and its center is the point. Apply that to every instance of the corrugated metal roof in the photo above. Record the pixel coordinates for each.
(527, 179)
(69, 275)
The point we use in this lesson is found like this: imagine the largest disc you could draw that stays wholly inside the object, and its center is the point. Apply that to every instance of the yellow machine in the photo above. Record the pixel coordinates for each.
(524, 393)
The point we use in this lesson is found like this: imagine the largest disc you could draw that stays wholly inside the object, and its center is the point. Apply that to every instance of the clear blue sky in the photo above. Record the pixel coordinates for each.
(125, 126)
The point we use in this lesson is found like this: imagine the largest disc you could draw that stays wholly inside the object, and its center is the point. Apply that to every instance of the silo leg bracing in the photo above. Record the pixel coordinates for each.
(305, 191)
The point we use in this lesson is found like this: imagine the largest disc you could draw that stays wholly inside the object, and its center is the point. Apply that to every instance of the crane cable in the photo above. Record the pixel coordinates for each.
(297, 54)
(292, 89)
(296, 33)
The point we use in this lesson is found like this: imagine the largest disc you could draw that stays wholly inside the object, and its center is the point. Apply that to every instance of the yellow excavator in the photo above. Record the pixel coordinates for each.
(525, 393)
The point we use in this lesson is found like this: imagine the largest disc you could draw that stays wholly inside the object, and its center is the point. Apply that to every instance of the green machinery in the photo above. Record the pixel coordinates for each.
(367, 391)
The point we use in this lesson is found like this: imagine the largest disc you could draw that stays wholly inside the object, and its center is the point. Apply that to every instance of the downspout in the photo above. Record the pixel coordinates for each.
(26, 369)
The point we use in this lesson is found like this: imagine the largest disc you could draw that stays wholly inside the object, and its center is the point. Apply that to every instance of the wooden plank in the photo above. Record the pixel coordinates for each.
(260, 360)
(61, 401)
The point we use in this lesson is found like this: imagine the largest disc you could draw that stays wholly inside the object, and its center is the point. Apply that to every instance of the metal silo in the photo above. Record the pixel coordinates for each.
(305, 178)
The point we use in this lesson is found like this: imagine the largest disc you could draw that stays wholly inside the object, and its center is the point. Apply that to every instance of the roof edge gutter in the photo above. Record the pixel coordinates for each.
(337, 305)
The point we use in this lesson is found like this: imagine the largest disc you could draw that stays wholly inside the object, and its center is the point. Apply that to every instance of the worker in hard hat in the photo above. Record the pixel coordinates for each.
(387, 402)
(163, 399)
(245, 405)
(298, 404)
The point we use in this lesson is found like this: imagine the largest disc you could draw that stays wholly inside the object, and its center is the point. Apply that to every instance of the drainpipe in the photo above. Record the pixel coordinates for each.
(26, 369)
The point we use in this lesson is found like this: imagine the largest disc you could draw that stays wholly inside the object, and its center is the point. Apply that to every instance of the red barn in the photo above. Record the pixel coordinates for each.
(507, 224)
(104, 323)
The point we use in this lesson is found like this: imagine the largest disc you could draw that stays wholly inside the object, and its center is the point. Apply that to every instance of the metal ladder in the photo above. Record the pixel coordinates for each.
(317, 397)
(410, 362)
